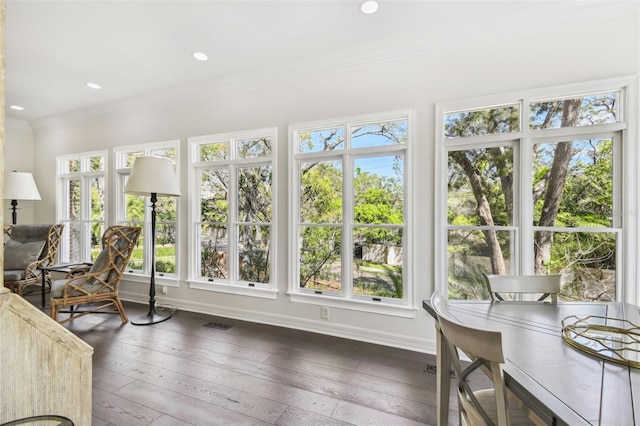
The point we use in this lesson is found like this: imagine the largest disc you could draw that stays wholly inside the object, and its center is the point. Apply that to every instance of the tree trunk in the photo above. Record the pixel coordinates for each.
(484, 212)
(555, 188)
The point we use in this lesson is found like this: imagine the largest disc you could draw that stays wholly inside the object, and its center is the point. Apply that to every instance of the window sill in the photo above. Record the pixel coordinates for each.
(171, 281)
(265, 293)
(354, 305)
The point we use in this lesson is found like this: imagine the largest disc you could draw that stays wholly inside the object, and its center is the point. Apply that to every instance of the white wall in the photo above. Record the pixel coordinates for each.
(19, 156)
(416, 82)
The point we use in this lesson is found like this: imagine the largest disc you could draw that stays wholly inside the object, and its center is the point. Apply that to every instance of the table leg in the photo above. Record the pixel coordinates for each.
(44, 285)
(443, 374)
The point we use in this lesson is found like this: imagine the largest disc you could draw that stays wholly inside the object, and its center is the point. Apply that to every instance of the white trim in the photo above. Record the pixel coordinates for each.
(361, 334)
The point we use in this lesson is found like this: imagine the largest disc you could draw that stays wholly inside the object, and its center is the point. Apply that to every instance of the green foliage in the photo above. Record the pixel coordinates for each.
(586, 201)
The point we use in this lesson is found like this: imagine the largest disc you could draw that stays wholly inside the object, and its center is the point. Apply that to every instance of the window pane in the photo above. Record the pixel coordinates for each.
(73, 198)
(472, 253)
(96, 164)
(490, 121)
(582, 111)
(166, 153)
(136, 262)
(214, 195)
(379, 189)
(254, 194)
(254, 252)
(74, 233)
(213, 152)
(213, 251)
(71, 166)
(377, 262)
(379, 134)
(321, 192)
(130, 157)
(135, 208)
(166, 248)
(587, 262)
(97, 198)
(253, 148)
(320, 257)
(573, 183)
(321, 140)
(480, 187)
(97, 229)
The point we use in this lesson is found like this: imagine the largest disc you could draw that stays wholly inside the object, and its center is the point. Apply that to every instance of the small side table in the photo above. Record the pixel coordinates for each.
(63, 267)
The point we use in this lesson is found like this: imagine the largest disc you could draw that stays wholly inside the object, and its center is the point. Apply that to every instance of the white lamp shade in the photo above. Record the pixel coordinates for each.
(20, 186)
(153, 175)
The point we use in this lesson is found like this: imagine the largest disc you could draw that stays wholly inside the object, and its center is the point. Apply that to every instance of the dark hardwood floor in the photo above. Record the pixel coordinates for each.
(193, 370)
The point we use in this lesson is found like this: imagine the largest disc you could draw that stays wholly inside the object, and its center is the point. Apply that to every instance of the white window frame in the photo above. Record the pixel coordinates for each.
(231, 285)
(625, 221)
(346, 298)
(62, 214)
(120, 177)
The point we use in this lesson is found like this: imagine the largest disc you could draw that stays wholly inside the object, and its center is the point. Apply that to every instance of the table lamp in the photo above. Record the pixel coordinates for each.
(155, 177)
(19, 186)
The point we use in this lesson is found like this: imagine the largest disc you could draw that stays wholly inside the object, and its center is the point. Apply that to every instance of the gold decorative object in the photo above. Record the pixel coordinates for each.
(613, 339)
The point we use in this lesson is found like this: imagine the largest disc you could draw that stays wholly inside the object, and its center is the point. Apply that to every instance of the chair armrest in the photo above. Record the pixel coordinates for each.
(78, 270)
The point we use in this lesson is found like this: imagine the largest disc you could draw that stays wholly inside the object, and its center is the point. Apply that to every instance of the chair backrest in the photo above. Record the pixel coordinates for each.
(484, 348)
(118, 243)
(546, 285)
(48, 235)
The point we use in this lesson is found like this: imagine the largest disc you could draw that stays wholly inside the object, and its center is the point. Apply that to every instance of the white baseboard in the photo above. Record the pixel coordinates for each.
(321, 327)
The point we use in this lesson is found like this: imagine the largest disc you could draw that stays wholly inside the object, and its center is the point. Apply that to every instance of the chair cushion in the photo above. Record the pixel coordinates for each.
(12, 275)
(18, 255)
(57, 288)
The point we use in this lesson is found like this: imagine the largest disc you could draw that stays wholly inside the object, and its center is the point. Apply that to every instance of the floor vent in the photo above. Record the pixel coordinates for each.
(218, 325)
(433, 369)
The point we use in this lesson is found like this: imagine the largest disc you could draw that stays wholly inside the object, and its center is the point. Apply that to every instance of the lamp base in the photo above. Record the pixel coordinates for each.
(152, 317)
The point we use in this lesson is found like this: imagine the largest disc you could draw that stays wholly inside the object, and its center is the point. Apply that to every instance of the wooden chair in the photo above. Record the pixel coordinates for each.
(484, 348)
(547, 285)
(97, 284)
(27, 248)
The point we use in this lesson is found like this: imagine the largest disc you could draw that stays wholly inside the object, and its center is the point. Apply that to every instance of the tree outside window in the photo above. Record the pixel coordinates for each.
(81, 205)
(233, 221)
(350, 208)
(568, 217)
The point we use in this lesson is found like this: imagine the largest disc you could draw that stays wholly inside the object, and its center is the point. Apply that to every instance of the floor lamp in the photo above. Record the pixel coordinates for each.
(19, 186)
(156, 177)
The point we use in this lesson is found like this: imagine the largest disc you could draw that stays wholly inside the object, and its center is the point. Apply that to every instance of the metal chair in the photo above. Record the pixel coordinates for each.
(97, 284)
(484, 348)
(546, 285)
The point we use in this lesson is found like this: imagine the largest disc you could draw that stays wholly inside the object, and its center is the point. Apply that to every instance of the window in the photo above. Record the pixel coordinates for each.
(135, 210)
(81, 205)
(232, 234)
(535, 186)
(349, 229)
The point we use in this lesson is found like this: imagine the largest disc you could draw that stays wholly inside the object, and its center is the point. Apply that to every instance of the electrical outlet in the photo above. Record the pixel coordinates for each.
(324, 312)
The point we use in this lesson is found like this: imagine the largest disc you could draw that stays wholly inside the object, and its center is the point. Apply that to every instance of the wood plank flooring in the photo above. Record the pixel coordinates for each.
(181, 372)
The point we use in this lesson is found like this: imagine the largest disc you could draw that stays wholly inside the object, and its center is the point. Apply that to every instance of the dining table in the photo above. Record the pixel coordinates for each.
(561, 381)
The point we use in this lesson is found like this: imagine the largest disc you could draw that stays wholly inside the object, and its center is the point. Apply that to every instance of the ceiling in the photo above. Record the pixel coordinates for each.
(138, 49)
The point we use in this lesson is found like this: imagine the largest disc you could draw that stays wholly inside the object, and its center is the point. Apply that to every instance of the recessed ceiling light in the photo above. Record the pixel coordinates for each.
(94, 85)
(17, 107)
(200, 56)
(369, 6)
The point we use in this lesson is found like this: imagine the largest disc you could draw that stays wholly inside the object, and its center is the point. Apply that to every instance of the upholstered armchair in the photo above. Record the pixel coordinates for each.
(96, 286)
(28, 248)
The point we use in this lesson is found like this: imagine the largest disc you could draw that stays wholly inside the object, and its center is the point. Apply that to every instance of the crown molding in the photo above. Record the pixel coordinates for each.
(18, 124)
